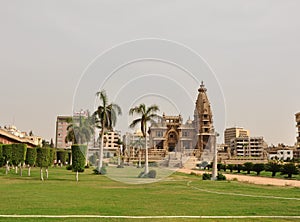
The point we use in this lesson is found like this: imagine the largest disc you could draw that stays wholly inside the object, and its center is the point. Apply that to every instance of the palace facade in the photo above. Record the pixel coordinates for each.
(171, 134)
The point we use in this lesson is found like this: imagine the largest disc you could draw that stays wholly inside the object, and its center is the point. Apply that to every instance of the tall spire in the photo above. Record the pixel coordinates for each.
(202, 87)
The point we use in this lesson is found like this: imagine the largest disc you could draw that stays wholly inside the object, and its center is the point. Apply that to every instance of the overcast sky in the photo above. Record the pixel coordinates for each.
(252, 47)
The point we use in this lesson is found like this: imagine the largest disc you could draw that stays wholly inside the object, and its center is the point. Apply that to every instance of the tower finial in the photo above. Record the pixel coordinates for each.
(202, 87)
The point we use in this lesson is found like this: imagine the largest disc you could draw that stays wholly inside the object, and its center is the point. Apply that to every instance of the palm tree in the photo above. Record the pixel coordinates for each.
(147, 115)
(107, 116)
(80, 132)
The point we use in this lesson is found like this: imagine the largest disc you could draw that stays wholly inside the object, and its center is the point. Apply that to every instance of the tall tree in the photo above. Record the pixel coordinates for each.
(42, 159)
(273, 167)
(106, 115)
(30, 158)
(7, 155)
(78, 158)
(80, 130)
(289, 169)
(147, 114)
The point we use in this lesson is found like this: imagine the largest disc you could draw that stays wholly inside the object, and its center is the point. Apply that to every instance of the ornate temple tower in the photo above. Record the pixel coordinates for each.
(203, 123)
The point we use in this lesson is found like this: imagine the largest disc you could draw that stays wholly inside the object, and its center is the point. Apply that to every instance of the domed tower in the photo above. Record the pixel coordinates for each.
(203, 122)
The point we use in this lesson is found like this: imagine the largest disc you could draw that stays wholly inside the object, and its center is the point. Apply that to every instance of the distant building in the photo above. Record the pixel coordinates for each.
(235, 132)
(281, 154)
(172, 134)
(110, 143)
(62, 123)
(248, 147)
(10, 134)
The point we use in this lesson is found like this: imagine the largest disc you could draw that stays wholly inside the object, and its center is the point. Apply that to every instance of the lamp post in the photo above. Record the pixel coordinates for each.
(215, 158)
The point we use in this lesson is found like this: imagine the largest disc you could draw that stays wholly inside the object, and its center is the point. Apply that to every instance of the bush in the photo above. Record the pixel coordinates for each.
(153, 164)
(78, 158)
(152, 174)
(69, 167)
(221, 177)
(101, 172)
(206, 176)
(1, 156)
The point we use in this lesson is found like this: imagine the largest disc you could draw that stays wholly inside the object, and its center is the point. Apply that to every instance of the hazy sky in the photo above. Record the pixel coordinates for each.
(252, 46)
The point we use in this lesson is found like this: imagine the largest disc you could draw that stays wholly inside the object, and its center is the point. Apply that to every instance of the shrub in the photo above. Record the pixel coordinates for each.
(78, 158)
(153, 164)
(101, 172)
(152, 174)
(248, 166)
(69, 167)
(206, 176)
(230, 167)
(258, 167)
(289, 169)
(221, 177)
(1, 156)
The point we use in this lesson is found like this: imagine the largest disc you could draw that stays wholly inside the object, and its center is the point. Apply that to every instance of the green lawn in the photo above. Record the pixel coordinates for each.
(99, 195)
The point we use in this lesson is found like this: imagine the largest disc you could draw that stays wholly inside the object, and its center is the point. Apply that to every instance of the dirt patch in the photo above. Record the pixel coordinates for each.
(251, 179)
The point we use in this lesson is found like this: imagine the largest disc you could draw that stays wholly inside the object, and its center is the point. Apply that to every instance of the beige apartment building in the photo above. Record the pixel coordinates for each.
(248, 147)
(62, 123)
(235, 132)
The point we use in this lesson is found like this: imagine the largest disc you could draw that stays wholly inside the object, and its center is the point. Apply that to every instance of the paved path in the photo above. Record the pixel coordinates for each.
(252, 179)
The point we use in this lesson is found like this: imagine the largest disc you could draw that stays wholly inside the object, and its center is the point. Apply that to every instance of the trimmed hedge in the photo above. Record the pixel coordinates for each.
(78, 158)
(18, 153)
(31, 155)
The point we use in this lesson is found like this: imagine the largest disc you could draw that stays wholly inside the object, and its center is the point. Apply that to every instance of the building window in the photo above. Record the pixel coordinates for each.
(159, 133)
(185, 134)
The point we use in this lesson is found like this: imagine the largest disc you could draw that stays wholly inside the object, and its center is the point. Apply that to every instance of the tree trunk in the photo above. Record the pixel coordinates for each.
(146, 153)
(76, 176)
(273, 174)
(47, 173)
(7, 168)
(21, 172)
(119, 158)
(29, 168)
(16, 169)
(41, 174)
(140, 159)
(101, 151)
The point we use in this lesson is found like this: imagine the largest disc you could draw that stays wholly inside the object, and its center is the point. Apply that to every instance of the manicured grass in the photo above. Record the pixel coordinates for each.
(98, 195)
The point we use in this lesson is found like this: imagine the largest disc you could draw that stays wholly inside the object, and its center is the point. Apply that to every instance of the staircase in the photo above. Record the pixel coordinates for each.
(174, 160)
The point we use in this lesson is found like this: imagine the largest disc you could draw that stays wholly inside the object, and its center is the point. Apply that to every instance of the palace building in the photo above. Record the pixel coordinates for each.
(194, 136)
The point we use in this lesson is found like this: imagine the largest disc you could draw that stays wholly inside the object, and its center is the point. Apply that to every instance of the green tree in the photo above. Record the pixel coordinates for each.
(289, 169)
(248, 166)
(18, 155)
(30, 158)
(238, 167)
(1, 156)
(230, 167)
(61, 157)
(147, 114)
(42, 159)
(7, 154)
(273, 167)
(78, 158)
(106, 117)
(258, 167)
